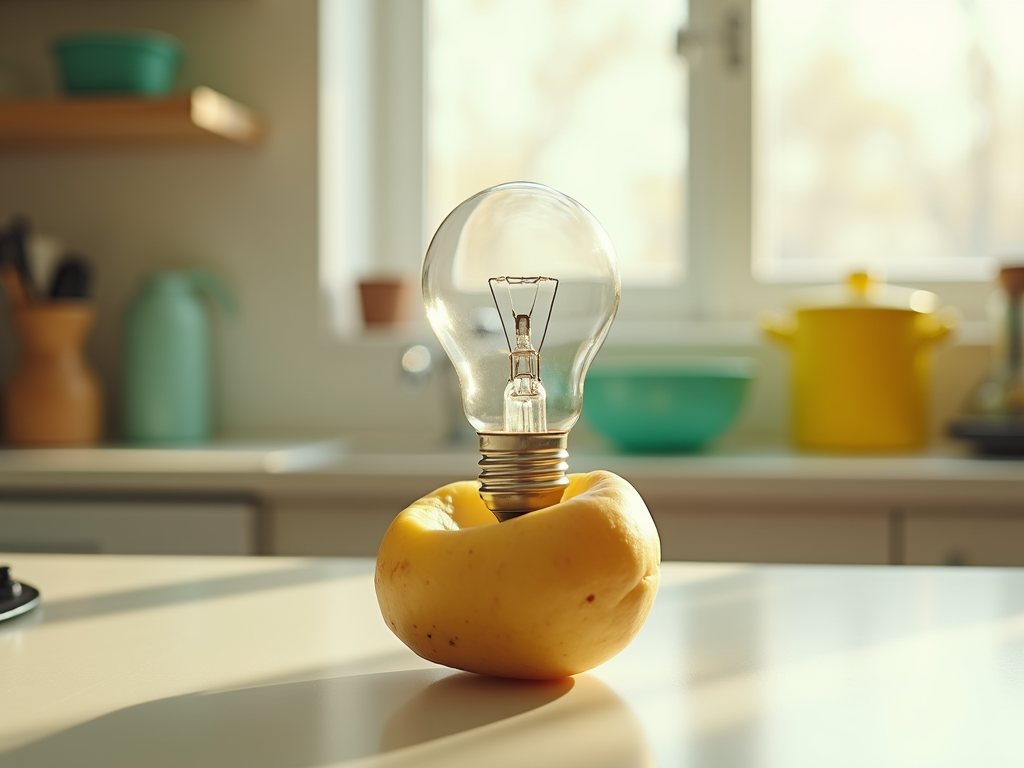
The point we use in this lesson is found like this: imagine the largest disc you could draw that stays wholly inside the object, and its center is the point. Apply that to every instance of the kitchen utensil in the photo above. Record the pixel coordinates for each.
(72, 279)
(14, 286)
(860, 363)
(16, 597)
(673, 407)
(993, 419)
(14, 265)
(167, 378)
(143, 63)
(53, 398)
(44, 255)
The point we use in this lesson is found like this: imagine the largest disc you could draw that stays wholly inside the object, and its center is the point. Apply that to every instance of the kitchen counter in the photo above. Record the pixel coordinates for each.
(763, 504)
(268, 662)
(324, 465)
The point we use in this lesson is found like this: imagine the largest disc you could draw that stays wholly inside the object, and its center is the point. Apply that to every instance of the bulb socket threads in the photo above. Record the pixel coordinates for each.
(522, 471)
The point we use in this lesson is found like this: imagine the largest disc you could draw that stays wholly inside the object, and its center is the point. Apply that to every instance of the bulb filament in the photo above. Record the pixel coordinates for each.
(518, 301)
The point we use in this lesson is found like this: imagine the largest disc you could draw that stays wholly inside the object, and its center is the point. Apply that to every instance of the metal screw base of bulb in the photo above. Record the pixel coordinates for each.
(522, 471)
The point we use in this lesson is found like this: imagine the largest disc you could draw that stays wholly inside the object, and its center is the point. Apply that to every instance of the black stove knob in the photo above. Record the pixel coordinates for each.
(9, 588)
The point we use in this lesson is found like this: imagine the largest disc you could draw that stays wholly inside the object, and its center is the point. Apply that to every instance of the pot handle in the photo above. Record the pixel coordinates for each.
(777, 328)
(942, 324)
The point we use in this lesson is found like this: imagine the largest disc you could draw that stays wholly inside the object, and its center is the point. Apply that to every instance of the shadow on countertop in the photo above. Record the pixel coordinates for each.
(298, 724)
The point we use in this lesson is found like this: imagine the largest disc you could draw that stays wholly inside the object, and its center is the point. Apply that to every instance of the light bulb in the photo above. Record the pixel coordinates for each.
(520, 285)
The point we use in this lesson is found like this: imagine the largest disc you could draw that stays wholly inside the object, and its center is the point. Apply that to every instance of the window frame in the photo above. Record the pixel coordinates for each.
(721, 288)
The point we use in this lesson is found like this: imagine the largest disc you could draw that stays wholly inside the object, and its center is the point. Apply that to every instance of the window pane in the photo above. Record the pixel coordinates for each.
(587, 96)
(892, 133)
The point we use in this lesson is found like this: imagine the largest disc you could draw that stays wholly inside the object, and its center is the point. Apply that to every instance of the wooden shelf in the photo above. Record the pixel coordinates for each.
(202, 116)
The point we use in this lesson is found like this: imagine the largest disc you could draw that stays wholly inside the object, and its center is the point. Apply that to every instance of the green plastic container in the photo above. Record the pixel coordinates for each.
(677, 408)
(139, 63)
(167, 367)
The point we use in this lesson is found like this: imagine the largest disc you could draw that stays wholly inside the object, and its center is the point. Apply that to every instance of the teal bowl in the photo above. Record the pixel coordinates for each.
(137, 63)
(676, 408)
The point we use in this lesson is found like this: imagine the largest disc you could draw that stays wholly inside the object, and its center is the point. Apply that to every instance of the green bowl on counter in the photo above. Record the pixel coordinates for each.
(666, 408)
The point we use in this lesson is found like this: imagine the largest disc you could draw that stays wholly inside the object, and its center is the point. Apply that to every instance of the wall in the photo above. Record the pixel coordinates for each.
(249, 214)
(252, 215)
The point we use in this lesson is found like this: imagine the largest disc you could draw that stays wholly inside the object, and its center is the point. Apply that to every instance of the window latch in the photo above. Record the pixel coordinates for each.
(691, 44)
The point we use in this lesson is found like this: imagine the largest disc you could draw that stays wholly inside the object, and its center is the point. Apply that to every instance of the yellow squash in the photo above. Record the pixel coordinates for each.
(548, 594)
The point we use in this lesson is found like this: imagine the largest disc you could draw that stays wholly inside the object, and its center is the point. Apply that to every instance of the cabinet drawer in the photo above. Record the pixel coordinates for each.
(343, 528)
(964, 539)
(774, 536)
(129, 527)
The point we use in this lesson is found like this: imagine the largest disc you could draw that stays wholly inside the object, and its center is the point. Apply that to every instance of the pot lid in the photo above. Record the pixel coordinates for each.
(861, 291)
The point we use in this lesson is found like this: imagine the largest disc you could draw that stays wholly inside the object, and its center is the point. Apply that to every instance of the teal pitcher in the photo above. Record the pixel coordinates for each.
(167, 377)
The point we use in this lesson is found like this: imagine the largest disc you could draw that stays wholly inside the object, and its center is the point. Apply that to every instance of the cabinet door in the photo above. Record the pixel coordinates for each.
(775, 534)
(349, 524)
(335, 528)
(129, 527)
(989, 537)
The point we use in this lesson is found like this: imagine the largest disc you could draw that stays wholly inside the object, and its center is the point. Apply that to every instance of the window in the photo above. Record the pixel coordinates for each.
(891, 135)
(792, 145)
(587, 96)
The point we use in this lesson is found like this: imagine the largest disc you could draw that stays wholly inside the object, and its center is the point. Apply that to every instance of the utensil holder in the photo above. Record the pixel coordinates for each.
(53, 398)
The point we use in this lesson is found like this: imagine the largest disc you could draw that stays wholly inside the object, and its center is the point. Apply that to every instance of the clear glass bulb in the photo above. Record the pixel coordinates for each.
(521, 284)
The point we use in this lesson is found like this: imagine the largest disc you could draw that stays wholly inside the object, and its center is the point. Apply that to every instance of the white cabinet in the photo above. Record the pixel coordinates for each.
(343, 527)
(129, 526)
(965, 537)
(774, 534)
(763, 533)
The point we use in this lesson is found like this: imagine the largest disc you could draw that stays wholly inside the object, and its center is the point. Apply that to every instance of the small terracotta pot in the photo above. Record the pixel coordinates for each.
(53, 398)
(384, 301)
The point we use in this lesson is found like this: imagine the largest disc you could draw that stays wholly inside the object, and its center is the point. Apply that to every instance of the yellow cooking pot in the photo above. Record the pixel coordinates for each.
(860, 363)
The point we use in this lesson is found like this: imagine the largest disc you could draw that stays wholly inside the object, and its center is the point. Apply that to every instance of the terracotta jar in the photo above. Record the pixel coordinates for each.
(384, 301)
(53, 398)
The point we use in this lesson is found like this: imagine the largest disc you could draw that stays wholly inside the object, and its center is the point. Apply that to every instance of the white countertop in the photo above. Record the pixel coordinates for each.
(286, 662)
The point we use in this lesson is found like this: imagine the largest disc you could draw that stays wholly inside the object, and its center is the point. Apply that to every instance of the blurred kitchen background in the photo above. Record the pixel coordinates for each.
(736, 151)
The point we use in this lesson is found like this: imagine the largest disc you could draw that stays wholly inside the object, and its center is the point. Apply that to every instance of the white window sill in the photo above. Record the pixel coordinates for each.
(659, 335)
